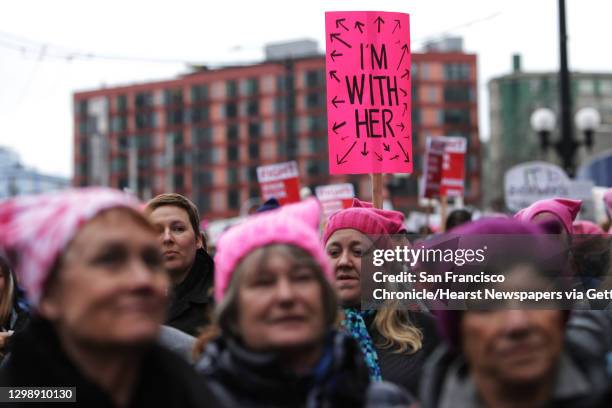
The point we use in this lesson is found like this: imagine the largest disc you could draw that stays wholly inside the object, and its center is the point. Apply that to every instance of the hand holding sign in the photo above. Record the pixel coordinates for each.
(368, 91)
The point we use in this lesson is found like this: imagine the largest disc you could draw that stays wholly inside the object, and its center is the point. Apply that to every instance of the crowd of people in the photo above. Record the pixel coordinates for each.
(123, 301)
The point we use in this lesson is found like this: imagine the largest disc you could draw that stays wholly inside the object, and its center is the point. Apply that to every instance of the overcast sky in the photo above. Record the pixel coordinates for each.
(36, 86)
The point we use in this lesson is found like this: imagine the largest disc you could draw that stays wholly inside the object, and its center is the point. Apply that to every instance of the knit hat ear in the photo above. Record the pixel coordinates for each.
(573, 206)
(309, 212)
(363, 204)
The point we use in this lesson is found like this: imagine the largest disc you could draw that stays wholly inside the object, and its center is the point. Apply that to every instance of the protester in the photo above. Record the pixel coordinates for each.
(274, 342)
(395, 342)
(561, 210)
(13, 316)
(457, 217)
(508, 355)
(91, 266)
(190, 267)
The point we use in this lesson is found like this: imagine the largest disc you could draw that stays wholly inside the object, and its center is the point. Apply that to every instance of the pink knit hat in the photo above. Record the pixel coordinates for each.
(363, 217)
(294, 224)
(564, 209)
(583, 227)
(35, 230)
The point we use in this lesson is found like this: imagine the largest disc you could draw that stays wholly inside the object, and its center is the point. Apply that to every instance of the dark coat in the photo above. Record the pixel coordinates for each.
(242, 378)
(404, 369)
(38, 360)
(192, 301)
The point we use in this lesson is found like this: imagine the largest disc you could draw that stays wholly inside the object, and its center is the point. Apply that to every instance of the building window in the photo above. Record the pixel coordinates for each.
(201, 135)
(174, 116)
(316, 167)
(178, 181)
(173, 96)
(231, 110)
(199, 93)
(232, 133)
(253, 150)
(232, 153)
(121, 103)
(457, 71)
(81, 108)
(314, 78)
(119, 124)
(456, 116)
(416, 115)
(233, 199)
(199, 114)
(252, 86)
(144, 100)
(314, 100)
(253, 108)
(145, 120)
(252, 174)
(254, 130)
(232, 176)
(457, 93)
(231, 89)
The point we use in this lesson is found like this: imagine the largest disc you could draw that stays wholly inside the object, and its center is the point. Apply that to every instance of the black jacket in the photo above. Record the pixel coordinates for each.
(405, 369)
(37, 360)
(243, 378)
(192, 301)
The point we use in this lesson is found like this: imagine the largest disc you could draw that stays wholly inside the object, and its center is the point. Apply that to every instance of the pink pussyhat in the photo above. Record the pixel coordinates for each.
(293, 224)
(564, 209)
(583, 227)
(363, 217)
(35, 230)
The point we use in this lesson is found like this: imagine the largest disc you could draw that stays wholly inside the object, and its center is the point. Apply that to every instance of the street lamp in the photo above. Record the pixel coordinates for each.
(587, 120)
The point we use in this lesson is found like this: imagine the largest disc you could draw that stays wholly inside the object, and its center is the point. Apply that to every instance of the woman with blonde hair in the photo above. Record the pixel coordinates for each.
(395, 342)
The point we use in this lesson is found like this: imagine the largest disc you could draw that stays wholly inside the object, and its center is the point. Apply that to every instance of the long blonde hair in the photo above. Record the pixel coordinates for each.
(397, 331)
(7, 294)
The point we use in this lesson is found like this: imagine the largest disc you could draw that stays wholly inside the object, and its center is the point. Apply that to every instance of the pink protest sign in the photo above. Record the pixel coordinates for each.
(368, 92)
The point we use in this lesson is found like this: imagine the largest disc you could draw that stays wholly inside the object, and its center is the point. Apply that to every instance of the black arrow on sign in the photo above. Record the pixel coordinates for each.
(397, 25)
(378, 156)
(358, 25)
(337, 101)
(405, 108)
(404, 50)
(401, 126)
(395, 157)
(386, 147)
(336, 36)
(339, 23)
(332, 74)
(337, 126)
(335, 54)
(380, 21)
(405, 154)
(344, 138)
(403, 92)
(364, 152)
(343, 159)
(406, 73)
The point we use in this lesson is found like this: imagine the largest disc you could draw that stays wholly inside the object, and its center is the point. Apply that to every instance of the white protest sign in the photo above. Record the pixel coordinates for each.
(529, 182)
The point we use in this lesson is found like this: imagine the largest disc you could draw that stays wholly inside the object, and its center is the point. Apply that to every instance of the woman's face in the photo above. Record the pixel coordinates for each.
(280, 303)
(177, 238)
(515, 345)
(345, 248)
(111, 287)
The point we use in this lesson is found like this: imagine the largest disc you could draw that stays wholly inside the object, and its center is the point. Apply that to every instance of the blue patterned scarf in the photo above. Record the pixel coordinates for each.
(355, 324)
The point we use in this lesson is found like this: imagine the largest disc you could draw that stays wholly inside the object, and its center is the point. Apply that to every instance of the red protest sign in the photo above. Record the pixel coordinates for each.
(280, 181)
(335, 197)
(432, 167)
(368, 92)
(444, 167)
